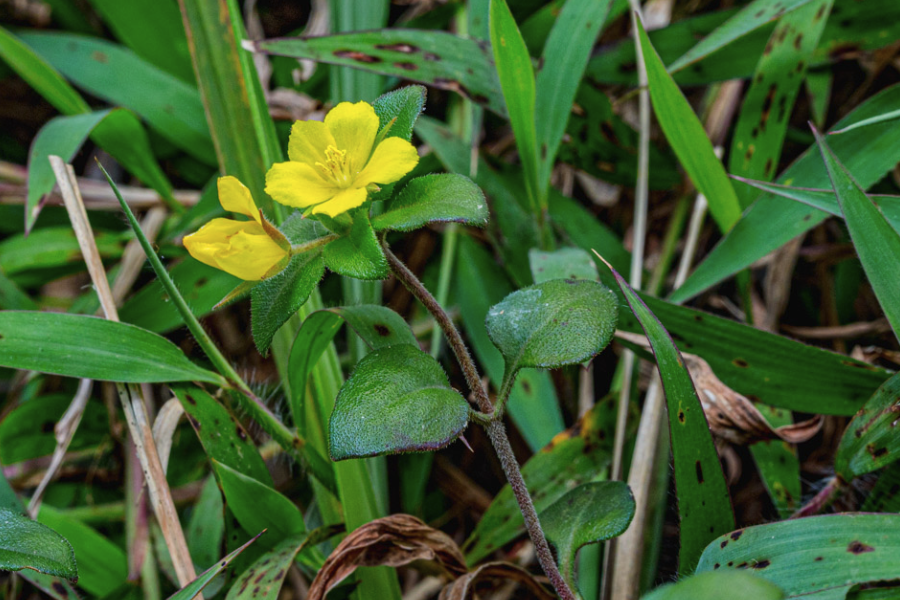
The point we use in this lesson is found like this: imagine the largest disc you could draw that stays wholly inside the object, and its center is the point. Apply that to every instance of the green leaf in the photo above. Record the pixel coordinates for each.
(52, 247)
(276, 299)
(808, 555)
(435, 58)
(92, 348)
(377, 326)
(870, 441)
(26, 544)
(170, 106)
(398, 399)
(711, 586)
(876, 242)
(551, 324)
(564, 59)
(765, 112)
(206, 529)
(588, 514)
(753, 16)
(40, 76)
(778, 465)
(565, 263)
(358, 253)
(222, 436)
(201, 285)
(517, 82)
(867, 153)
(888, 116)
(434, 199)
(400, 109)
(102, 565)
(574, 457)
(193, 589)
(480, 283)
(704, 505)
(258, 506)
(12, 297)
(688, 139)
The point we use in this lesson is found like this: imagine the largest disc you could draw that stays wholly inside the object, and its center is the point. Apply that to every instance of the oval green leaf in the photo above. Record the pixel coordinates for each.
(434, 199)
(27, 544)
(92, 348)
(397, 400)
(551, 324)
(358, 253)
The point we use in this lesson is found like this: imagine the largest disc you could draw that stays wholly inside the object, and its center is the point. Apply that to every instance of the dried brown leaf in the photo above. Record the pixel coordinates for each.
(464, 587)
(392, 541)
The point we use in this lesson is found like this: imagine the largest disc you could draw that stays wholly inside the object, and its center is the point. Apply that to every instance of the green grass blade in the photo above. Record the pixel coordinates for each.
(688, 139)
(704, 505)
(763, 119)
(565, 57)
(888, 116)
(517, 81)
(867, 153)
(753, 16)
(876, 242)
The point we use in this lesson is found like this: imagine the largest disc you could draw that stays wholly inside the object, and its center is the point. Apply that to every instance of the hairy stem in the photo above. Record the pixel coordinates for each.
(495, 428)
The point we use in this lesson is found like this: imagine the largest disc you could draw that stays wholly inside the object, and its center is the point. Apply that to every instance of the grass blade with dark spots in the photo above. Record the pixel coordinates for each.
(704, 506)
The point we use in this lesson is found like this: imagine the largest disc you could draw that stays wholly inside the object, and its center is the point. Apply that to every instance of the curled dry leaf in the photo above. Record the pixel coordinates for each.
(464, 587)
(732, 416)
(392, 541)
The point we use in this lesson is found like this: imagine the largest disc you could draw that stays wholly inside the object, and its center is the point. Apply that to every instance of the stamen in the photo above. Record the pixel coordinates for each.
(336, 166)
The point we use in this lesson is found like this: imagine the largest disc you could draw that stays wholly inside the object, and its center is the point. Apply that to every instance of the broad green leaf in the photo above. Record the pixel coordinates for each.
(27, 544)
(480, 283)
(358, 253)
(52, 247)
(153, 30)
(434, 199)
(888, 116)
(590, 513)
(201, 285)
(867, 153)
(826, 201)
(565, 56)
(170, 106)
(688, 139)
(877, 244)
(102, 565)
(8, 499)
(12, 297)
(435, 58)
(870, 441)
(39, 75)
(206, 529)
(377, 327)
(574, 457)
(711, 586)
(812, 554)
(400, 109)
(516, 76)
(765, 112)
(753, 16)
(258, 506)
(565, 263)
(398, 399)
(551, 324)
(704, 505)
(778, 465)
(27, 431)
(92, 348)
(194, 588)
(222, 436)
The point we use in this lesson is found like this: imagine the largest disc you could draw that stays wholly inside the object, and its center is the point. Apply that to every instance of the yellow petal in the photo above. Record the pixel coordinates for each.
(298, 184)
(235, 197)
(354, 127)
(308, 142)
(392, 159)
(241, 248)
(344, 201)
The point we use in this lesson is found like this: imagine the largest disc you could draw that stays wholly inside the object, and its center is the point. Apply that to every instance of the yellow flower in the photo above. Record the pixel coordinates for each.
(333, 165)
(246, 249)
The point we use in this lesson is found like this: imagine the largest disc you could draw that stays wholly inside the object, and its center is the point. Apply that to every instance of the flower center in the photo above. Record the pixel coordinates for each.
(336, 167)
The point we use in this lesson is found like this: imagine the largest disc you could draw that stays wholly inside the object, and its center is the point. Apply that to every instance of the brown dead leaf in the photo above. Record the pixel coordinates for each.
(392, 541)
(732, 416)
(464, 587)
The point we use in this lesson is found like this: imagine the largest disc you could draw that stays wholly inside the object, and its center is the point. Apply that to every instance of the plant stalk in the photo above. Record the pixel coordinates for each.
(495, 429)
